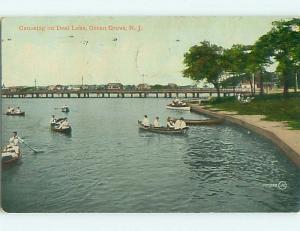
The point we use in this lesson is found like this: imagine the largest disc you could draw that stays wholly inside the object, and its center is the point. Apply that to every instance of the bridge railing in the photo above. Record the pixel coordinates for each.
(126, 91)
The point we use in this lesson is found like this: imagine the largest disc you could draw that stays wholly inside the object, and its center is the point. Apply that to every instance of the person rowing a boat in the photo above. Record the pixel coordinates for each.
(170, 123)
(14, 143)
(10, 110)
(53, 120)
(180, 124)
(146, 122)
(156, 122)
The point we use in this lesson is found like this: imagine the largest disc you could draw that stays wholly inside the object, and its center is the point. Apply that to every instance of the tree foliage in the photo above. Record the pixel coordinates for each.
(211, 62)
(204, 62)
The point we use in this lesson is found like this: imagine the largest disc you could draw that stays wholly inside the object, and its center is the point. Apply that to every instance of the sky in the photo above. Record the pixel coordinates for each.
(101, 50)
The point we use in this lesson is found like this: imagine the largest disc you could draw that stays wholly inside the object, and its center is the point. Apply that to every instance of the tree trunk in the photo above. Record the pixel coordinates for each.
(217, 86)
(261, 83)
(286, 86)
(251, 86)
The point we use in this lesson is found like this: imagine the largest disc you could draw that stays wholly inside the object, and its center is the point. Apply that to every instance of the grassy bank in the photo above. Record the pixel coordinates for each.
(275, 107)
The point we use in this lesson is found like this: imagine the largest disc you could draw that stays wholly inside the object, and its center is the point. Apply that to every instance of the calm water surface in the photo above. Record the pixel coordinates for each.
(107, 165)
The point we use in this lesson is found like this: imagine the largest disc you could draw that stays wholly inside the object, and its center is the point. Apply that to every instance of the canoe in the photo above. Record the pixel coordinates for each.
(8, 157)
(15, 114)
(65, 109)
(202, 122)
(182, 108)
(54, 127)
(163, 130)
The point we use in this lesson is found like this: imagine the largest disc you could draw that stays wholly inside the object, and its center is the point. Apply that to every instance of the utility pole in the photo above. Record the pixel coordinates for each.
(143, 75)
(82, 81)
(35, 84)
(296, 82)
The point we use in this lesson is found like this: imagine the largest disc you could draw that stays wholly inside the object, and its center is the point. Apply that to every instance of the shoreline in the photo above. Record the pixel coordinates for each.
(277, 132)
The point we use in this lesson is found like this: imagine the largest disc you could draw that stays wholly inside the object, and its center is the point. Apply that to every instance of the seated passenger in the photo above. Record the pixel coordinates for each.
(156, 122)
(146, 122)
(18, 110)
(53, 120)
(64, 124)
(170, 123)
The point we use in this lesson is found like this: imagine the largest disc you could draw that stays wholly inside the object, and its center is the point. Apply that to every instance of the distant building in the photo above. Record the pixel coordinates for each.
(245, 85)
(101, 87)
(188, 87)
(14, 89)
(129, 87)
(56, 87)
(143, 86)
(114, 86)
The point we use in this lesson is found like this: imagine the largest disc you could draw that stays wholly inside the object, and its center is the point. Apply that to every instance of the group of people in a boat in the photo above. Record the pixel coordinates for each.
(60, 123)
(14, 144)
(11, 110)
(179, 124)
(178, 103)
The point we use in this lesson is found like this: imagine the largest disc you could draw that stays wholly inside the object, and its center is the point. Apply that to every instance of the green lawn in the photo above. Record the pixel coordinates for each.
(275, 107)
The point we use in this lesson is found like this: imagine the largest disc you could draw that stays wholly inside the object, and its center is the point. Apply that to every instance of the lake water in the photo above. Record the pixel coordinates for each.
(107, 165)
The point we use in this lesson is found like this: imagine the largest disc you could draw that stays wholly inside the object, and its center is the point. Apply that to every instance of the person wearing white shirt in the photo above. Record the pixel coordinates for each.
(64, 124)
(18, 110)
(170, 123)
(53, 120)
(180, 124)
(14, 143)
(156, 122)
(146, 122)
(177, 124)
(10, 109)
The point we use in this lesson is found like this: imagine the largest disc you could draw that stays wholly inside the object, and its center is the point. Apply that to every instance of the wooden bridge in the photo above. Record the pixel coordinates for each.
(114, 93)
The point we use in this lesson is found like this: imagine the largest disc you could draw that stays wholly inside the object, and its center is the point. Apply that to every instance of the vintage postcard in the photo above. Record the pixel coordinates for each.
(150, 114)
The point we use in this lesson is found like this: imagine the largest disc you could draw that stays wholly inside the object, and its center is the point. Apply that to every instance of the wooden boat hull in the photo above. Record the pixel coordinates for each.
(163, 130)
(202, 122)
(65, 110)
(15, 114)
(183, 108)
(9, 157)
(61, 130)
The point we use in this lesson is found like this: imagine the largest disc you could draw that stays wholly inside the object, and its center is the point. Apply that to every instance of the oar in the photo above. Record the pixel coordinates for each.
(35, 151)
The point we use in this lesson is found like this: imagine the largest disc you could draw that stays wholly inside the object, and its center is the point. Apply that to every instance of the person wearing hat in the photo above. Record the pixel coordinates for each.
(156, 122)
(53, 120)
(14, 143)
(170, 123)
(146, 122)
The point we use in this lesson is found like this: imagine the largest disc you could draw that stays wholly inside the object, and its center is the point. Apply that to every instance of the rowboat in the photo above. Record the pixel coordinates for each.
(15, 114)
(162, 130)
(178, 107)
(9, 156)
(201, 122)
(65, 109)
(55, 127)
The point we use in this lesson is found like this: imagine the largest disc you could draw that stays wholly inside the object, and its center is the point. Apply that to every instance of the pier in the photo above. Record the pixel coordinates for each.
(120, 93)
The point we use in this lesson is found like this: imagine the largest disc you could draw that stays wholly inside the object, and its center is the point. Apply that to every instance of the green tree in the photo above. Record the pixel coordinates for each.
(204, 62)
(282, 43)
(236, 63)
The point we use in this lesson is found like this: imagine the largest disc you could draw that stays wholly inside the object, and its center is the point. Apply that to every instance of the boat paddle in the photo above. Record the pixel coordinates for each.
(23, 142)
